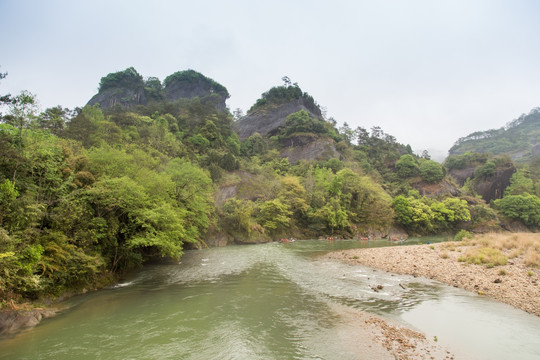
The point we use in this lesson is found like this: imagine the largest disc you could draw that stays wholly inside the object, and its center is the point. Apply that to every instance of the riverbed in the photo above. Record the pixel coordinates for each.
(275, 301)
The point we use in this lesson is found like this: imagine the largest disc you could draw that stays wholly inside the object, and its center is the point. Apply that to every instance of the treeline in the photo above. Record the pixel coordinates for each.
(516, 139)
(89, 193)
(73, 212)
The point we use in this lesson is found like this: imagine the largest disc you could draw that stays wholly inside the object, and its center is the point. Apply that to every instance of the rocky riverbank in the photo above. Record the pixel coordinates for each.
(13, 321)
(455, 263)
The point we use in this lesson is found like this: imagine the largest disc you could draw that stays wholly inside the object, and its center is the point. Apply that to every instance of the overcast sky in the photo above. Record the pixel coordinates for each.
(425, 71)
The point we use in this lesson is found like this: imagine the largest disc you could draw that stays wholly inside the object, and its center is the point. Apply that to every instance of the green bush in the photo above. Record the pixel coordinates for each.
(431, 171)
(406, 166)
(488, 256)
(128, 78)
(524, 207)
(462, 234)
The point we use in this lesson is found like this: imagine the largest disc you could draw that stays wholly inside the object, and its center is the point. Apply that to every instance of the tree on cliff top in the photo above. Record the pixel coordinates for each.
(128, 78)
(284, 94)
(192, 77)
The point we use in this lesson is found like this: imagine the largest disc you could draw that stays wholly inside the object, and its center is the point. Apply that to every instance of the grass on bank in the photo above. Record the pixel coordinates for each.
(495, 249)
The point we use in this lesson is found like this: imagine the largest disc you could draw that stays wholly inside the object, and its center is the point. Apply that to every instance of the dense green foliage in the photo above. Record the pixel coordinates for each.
(420, 214)
(128, 78)
(455, 162)
(88, 194)
(431, 171)
(524, 207)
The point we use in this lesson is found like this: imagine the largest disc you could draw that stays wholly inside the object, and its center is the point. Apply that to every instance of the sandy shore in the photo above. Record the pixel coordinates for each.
(381, 339)
(514, 283)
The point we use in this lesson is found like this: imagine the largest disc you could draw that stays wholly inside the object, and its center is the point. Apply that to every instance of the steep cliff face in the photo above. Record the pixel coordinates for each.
(490, 188)
(268, 120)
(128, 89)
(124, 97)
(306, 148)
(190, 84)
(493, 187)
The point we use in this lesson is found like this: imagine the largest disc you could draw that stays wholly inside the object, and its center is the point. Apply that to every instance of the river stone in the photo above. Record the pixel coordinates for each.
(14, 321)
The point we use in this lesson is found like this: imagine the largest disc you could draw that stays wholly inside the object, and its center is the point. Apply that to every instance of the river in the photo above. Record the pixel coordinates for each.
(270, 301)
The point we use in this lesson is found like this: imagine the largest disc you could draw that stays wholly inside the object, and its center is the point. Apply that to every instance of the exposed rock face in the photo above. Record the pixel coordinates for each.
(536, 150)
(305, 148)
(440, 189)
(493, 187)
(119, 96)
(490, 188)
(175, 90)
(268, 120)
(180, 85)
(14, 321)
(461, 175)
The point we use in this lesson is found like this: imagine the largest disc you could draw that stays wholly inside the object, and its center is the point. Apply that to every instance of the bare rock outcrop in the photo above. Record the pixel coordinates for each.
(268, 120)
(128, 89)
(302, 148)
(200, 87)
(489, 188)
(439, 189)
(493, 187)
(14, 321)
(125, 97)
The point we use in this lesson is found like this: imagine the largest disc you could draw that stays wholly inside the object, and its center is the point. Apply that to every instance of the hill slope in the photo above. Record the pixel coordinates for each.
(518, 139)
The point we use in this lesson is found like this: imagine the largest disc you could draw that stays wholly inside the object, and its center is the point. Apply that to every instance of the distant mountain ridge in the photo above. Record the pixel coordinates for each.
(519, 139)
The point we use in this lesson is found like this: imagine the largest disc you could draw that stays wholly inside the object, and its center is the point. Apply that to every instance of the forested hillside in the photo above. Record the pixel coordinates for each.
(86, 194)
(518, 139)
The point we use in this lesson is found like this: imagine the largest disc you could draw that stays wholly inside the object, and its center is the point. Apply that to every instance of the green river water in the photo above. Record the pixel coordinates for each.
(270, 301)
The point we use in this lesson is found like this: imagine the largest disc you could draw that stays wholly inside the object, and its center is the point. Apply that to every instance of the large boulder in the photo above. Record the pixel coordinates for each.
(14, 321)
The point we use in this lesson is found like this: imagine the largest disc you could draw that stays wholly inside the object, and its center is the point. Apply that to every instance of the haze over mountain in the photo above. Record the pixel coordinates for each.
(519, 139)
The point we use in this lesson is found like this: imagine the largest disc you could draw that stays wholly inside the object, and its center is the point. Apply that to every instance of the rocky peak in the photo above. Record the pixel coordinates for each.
(190, 84)
(128, 89)
(490, 187)
(267, 120)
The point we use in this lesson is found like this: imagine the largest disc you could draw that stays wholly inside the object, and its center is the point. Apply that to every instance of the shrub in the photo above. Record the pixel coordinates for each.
(524, 207)
(128, 78)
(431, 171)
(532, 258)
(406, 166)
(462, 234)
(488, 256)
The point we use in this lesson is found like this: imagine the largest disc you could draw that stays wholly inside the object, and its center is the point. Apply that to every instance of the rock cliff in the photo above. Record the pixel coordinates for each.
(190, 84)
(269, 119)
(125, 97)
(306, 148)
(489, 188)
(115, 89)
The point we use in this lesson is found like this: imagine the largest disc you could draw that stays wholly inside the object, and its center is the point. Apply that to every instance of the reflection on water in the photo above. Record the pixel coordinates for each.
(267, 302)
